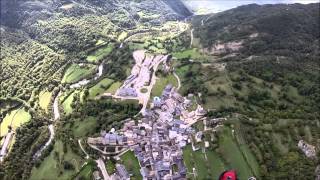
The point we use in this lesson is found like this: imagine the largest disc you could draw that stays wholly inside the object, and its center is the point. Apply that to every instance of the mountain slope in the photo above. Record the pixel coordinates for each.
(260, 66)
(269, 29)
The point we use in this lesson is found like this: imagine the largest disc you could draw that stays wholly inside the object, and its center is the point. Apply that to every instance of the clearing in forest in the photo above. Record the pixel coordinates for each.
(44, 99)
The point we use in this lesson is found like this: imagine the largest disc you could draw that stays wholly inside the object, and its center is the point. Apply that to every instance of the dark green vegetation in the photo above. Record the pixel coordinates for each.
(29, 139)
(86, 171)
(61, 159)
(92, 116)
(269, 87)
(281, 30)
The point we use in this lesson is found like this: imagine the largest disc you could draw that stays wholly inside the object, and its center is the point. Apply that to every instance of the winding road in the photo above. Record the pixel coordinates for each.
(56, 112)
(4, 148)
(178, 79)
(51, 131)
(87, 155)
(56, 116)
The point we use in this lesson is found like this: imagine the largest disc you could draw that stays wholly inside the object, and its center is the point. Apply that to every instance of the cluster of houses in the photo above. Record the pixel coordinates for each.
(156, 139)
(309, 150)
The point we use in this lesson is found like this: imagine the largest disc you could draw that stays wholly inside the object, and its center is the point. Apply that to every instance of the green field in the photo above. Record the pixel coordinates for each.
(110, 167)
(192, 53)
(229, 155)
(216, 165)
(114, 87)
(132, 164)
(122, 36)
(188, 158)
(52, 166)
(233, 154)
(162, 82)
(87, 171)
(67, 103)
(202, 170)
(14, 119)
(100, 42)
(206, 169)
(100, 53)
(83, 127)
(100, 88)
(75, 73)
(44, 99)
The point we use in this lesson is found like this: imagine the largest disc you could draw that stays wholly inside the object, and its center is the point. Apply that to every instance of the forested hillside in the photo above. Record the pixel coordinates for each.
(271, 80)
(283, 30)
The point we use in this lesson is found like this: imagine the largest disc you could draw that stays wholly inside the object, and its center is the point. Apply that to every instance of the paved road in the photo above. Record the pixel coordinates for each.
(139, 81)
(51, 130)
(103, 170)
(146, 96)
(191, 34)
(6, 143)
(56, 107)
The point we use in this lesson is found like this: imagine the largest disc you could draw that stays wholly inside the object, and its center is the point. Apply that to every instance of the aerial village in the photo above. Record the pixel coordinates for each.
(158, 138)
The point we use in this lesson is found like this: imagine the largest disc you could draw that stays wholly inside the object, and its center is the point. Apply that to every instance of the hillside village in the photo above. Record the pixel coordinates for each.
(157, 139)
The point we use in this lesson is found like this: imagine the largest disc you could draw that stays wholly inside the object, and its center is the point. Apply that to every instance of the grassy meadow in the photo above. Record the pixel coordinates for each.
(132, 165)
(100, 87)
(76, 72)
(52, 166)
(44, 99)
(100, 53)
